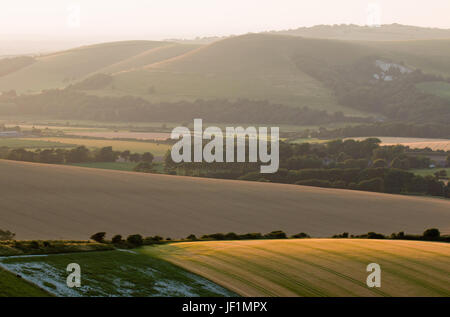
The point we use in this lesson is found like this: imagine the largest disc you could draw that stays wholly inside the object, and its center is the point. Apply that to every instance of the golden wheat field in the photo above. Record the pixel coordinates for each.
(415, 143)
(40, 201)
(117, 145)
(316, 267)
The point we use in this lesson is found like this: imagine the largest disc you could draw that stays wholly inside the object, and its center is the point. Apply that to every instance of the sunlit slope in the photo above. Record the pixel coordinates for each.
(62, 68)
(255, 66)
(316, 267)
(41, 201)
(149, 57)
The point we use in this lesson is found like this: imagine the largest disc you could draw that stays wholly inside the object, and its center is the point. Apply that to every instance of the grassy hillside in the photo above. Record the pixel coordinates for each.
(253, 66)
(13, 286)
(432, 56)
(150, 57)
(282, 69)
(62, 68)
(62, 202)
(109, 273)
(316, 267)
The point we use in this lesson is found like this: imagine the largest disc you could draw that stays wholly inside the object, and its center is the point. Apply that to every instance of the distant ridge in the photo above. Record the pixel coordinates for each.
(386, 32)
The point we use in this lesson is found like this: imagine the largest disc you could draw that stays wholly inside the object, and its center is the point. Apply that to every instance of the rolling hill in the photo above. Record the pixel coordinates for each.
(59, 69)
(60, 202)
(316, 267)
(309, 70)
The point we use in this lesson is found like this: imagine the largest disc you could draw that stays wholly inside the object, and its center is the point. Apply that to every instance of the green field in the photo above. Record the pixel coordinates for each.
(430, 171)
(118, 166)
(33, 143)
(13, 286)
(316, 267)
(108, 273)
(117, 145)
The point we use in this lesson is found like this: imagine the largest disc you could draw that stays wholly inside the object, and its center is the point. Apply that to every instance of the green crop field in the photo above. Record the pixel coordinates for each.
(117, 145)
(107, 273)
(118, 166)
(316, 267)
(13, 286)
(431, 171)
(33, 143)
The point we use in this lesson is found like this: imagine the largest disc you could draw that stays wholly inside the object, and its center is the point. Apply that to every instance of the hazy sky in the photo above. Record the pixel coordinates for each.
(158, 19)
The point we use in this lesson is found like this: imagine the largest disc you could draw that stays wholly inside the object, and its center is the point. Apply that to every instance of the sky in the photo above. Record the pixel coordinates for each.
(160, 19)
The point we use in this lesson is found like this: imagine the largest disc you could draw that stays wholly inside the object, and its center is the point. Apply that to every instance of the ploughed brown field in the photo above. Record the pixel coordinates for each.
(39, 201)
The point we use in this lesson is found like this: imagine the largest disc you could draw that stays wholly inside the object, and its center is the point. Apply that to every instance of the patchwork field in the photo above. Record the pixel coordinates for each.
(316, 267)
(107, 273)
(124, 135)
(117, 145)
(32, 143)
(42, 201)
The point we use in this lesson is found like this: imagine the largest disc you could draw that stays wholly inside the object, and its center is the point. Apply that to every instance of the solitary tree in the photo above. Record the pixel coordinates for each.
(99, 237)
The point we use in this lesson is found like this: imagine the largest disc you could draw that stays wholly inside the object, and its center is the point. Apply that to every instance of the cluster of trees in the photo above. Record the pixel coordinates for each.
(350, 164)
(79, 154)
(385, 180)
(432, 234)
(6, 235)
(132, 241)
(97, 81)
(72, 104)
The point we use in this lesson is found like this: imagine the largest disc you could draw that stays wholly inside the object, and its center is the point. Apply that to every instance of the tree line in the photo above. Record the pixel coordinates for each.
(137, 240)
(350, 164)
(73, 104)
(80, 154)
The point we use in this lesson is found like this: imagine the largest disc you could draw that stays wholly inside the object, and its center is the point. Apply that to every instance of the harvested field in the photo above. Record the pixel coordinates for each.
(117, 145)
(414, 143)
(124, 135)
(40, 201)
(316, 267)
